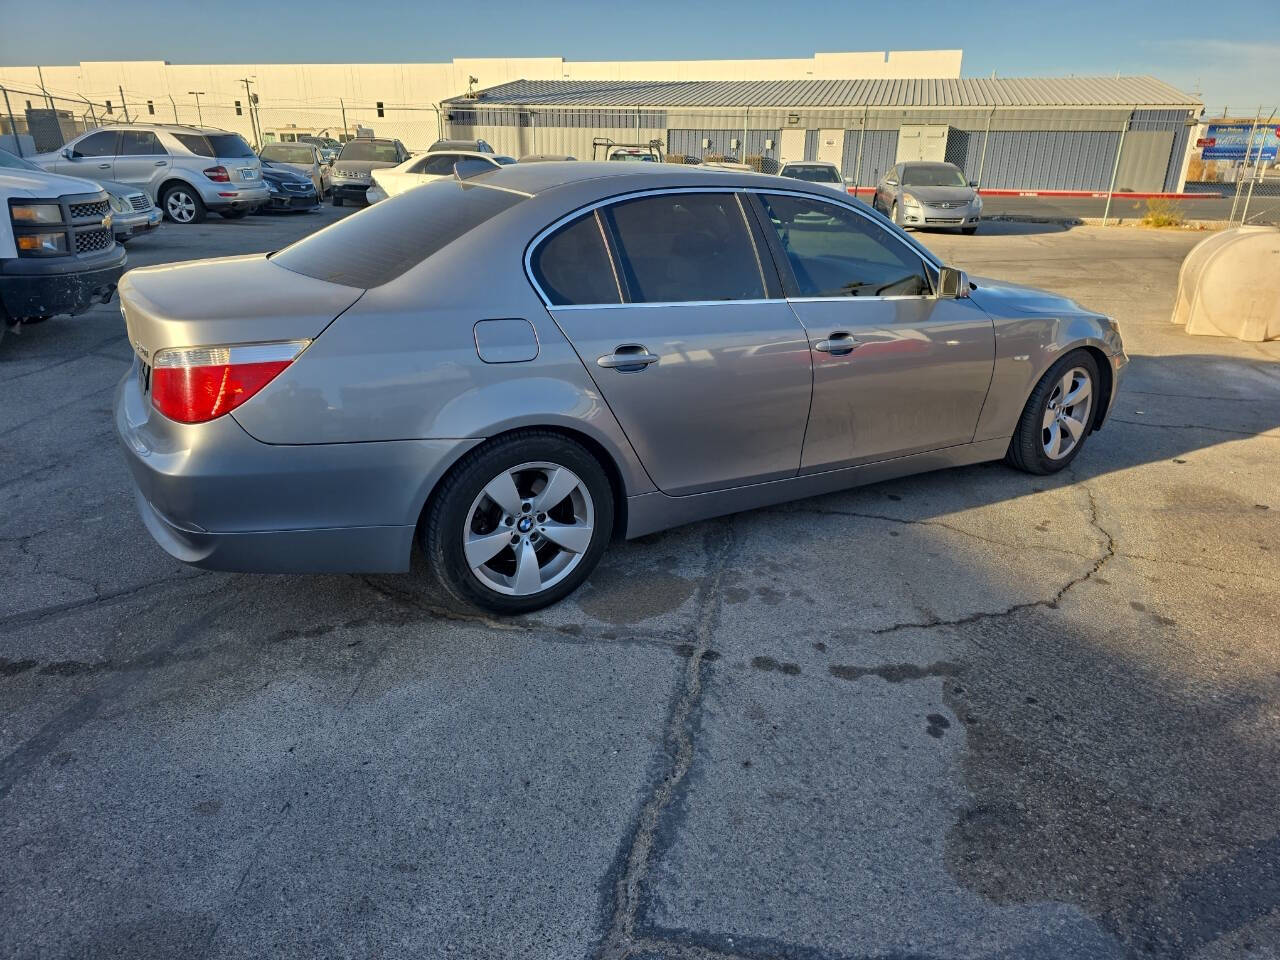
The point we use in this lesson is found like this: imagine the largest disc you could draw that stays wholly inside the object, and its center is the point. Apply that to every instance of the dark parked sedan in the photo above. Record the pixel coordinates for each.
(288, 189)
(511, 369)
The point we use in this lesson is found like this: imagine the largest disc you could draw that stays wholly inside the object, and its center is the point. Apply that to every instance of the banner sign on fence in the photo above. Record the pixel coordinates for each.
(1228, 141)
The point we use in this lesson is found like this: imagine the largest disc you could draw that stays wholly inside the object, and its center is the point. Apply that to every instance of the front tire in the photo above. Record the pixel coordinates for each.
(968, 231)
(181, 204)
(519, 523)
(1058, 416)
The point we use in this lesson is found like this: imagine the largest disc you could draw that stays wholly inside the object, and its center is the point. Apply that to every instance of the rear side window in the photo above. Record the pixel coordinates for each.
(139, 143)
(686, 247)
(835, 252)
(381, 242)
(572, 266)
(229, 145)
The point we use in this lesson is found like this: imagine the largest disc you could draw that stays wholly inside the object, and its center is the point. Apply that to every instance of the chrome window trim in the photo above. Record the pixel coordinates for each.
(926, 255)
(676, 303)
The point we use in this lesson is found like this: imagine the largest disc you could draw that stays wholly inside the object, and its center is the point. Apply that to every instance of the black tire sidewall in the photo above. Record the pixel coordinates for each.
(449, 510)
(1026, 452)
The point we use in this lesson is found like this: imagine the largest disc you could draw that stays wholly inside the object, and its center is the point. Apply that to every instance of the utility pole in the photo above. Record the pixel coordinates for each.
(13, 127)
(173, 103)
(124, 104)
(48, 100)
(345, 131)
(1115, 170)
(199, 113)
(1244, 166)
(251, 103)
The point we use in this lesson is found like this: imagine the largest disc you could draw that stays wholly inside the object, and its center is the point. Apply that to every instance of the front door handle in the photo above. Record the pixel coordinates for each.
(838, 345)
(104, 166)
(628, 358)
(162, 163)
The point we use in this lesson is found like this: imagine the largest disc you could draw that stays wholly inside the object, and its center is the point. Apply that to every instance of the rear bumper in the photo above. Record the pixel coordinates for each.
(55, 286)
(291, 201)
(232, 197)
(214, 497)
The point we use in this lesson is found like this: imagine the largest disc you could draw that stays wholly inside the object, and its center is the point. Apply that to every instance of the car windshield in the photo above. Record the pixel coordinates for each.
(812, 174)
(7, 159)
(289, 153)
(380, 150)
(932, 175)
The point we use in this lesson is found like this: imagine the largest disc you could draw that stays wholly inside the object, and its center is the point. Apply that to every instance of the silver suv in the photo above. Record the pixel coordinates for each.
(187, 171)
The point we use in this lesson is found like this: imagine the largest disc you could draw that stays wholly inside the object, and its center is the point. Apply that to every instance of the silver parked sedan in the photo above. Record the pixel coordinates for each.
(510, 370)
(929, 195)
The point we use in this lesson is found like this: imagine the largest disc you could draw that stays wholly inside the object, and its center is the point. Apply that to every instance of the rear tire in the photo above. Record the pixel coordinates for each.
(1058, 416)
(528, 509)
(337, 200)
(181, 204)
(233, 214)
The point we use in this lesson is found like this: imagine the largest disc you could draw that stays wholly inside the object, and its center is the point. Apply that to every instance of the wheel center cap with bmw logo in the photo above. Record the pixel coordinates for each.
(525, 524)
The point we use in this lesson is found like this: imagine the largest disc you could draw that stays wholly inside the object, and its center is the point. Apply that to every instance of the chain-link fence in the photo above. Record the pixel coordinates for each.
(1111, 163)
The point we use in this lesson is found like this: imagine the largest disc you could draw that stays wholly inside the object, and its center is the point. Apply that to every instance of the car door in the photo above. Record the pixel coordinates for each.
(92, 156)
(141, 160)
(885, 191)
(896, 369)
(674, 307)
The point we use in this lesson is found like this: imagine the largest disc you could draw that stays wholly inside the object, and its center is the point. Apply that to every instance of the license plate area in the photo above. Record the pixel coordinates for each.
(247, 173)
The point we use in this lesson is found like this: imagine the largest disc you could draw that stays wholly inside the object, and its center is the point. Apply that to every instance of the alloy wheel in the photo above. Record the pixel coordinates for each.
(180, 206)
(1066, 414)
(528, 528)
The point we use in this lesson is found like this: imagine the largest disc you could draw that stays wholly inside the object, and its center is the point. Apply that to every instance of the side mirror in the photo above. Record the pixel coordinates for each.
(953, 284)
(974, 184)
(68, 153)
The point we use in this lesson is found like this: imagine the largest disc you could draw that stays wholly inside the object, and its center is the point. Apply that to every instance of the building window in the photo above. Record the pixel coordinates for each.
(239, 112)
(380, 108)
(108, 106)
(151, 107)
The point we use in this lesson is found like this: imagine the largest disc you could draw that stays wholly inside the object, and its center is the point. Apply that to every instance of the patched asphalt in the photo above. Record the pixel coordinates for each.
(968, 714)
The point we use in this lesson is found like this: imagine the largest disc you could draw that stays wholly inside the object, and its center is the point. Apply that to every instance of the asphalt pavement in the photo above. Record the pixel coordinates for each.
(971, 714)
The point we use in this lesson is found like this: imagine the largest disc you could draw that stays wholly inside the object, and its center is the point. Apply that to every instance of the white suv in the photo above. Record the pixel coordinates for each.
(185, 170)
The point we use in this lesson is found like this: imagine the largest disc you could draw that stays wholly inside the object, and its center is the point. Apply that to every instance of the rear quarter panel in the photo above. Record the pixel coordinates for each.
(402, 363)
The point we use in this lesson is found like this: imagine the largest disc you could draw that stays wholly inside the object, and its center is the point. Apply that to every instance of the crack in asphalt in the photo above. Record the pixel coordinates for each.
(1050, 604)
(619, 941)
(1196, 426)
(110, 596)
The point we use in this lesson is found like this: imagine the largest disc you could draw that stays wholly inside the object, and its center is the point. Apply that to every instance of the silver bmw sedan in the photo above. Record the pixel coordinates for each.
(510, 370)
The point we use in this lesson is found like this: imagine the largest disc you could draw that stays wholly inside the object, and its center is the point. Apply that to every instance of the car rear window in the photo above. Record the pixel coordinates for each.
(225, 145)
(811, 174)
(370, 150)
(380, 243)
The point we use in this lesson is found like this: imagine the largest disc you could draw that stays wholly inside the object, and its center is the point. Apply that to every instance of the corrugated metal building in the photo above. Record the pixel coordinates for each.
(1059, 133)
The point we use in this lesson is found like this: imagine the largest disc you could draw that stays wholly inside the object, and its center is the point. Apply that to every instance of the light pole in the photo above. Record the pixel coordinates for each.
(199, 114)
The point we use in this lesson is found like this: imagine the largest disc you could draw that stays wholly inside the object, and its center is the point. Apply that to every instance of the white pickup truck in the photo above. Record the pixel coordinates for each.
(58, 254)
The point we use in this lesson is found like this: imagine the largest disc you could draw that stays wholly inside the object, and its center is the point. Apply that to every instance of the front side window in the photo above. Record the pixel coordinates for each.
(835, 252)
(686, 247)
(139, 143)
(100, 144)
(572, 266)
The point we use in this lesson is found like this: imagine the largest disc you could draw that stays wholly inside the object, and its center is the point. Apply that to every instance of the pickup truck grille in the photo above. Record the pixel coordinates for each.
(94, 208)
(90, 240)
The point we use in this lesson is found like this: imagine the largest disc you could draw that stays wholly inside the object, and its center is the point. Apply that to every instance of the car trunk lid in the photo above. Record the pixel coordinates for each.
(234, 300)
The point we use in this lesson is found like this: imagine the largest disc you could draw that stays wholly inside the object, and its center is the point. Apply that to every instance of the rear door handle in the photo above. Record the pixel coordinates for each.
(838, 344)
(104, 166)
(628, 358)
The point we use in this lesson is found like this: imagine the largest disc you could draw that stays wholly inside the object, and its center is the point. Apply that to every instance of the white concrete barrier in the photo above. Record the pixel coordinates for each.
(1229, 285)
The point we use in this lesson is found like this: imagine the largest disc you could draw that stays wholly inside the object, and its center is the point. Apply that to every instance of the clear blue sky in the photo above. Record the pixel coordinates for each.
(1230, 51)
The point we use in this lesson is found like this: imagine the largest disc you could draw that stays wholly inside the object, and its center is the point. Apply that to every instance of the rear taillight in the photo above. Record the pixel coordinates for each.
(195, 384)
(218, 174)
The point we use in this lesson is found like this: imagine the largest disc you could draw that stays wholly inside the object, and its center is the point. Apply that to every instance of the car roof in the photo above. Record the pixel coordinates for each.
(808, 163)
(536, 178)
(164, 127)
